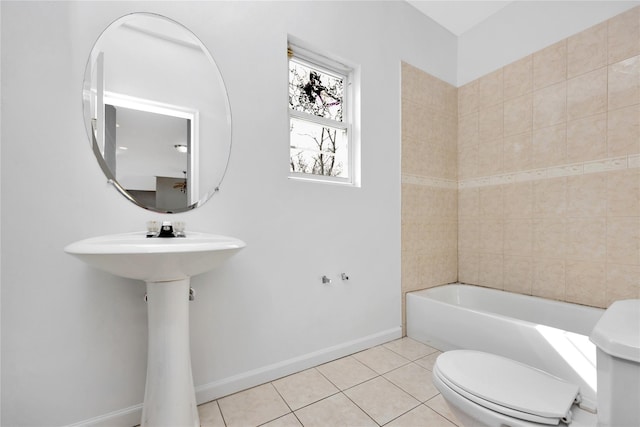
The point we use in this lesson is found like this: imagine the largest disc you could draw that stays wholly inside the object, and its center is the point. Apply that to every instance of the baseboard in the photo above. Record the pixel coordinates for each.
(226, 386)
(127, 417)
(207, 392)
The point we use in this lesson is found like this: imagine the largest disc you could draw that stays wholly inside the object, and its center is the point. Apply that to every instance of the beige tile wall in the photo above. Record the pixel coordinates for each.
(549, 170)
(528, 178)
(429, 181)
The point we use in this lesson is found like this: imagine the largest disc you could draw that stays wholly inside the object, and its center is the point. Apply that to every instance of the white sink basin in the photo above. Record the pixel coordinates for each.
(166, 264)
(135, 256)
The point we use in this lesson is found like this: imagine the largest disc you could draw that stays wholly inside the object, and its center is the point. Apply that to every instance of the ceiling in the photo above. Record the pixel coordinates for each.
(459, 16)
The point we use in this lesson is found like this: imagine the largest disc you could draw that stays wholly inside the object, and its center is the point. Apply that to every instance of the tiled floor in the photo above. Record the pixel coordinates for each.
(386, 385)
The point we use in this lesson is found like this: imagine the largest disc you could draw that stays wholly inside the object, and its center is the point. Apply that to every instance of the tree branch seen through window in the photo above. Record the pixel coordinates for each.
(318, 137)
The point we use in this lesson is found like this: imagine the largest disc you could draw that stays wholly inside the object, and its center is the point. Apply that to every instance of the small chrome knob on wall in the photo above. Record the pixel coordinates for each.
(326, 280)
(344, 276)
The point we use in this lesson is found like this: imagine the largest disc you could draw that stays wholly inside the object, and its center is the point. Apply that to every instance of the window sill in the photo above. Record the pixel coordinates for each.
(342, 182)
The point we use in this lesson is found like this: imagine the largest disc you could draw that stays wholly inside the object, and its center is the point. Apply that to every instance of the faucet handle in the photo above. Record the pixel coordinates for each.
(152, 228)
(178, 228)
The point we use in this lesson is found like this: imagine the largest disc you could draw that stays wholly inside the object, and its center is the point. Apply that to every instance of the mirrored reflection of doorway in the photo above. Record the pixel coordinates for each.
(149, 154)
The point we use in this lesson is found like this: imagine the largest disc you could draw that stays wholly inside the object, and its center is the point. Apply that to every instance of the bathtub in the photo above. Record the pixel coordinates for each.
(549, 335)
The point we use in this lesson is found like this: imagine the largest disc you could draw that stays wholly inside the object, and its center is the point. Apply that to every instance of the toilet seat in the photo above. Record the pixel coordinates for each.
(508, 387)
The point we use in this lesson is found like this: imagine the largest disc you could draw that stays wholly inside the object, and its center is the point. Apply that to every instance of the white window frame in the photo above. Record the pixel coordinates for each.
(326, 65)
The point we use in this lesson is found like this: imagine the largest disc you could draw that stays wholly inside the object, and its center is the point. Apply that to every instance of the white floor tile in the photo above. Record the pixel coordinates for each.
(334, 411)
(440, 405)
(346, 372)
(381, 359)
(253, 407)
(409, 349)
(381, 399)
(304, 388)
(427, 362)
(384, 384)
(210, 415)
(415, 380)
(421, 416)
(288, 420)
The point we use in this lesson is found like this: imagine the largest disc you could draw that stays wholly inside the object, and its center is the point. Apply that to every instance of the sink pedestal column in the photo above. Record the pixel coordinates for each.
(169, 398)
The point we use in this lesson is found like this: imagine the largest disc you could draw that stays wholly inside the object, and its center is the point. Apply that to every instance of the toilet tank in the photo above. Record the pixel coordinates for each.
(617, 338)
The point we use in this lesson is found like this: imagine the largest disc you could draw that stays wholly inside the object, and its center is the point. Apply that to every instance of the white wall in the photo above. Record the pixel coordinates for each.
(524, 27)
(73, 338)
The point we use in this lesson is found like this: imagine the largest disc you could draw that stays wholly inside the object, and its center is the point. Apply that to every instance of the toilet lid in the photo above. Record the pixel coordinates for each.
(506, 386)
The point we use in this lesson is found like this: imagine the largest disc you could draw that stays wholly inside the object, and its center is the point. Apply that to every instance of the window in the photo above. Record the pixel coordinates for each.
(320, 118)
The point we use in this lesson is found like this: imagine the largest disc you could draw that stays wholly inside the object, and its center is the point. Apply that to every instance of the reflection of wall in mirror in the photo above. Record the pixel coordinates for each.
(184, 73)
(110, 138)
(146, 143)
(144, 198)
(169, 196)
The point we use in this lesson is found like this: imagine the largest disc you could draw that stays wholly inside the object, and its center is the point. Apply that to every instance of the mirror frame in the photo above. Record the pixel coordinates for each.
(90, 126)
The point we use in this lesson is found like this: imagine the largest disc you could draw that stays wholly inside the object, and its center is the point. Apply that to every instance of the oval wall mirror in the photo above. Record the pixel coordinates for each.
(157, 113)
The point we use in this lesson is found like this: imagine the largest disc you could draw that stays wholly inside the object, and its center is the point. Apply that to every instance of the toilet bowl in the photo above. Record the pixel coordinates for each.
(486, 390)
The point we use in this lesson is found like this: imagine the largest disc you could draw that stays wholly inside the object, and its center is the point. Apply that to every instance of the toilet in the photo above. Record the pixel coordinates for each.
(487, 390)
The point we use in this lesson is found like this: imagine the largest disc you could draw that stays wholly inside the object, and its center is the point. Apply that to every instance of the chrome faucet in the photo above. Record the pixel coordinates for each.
(166, 230)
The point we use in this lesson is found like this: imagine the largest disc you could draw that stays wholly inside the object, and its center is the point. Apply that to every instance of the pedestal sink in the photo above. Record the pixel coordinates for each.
(166, 265)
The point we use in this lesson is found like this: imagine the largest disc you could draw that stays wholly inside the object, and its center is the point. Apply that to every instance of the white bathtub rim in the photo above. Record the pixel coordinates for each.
(596, 311)
(448, 326)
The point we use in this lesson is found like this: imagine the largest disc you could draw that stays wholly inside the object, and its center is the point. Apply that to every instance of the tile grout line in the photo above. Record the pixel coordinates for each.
(413, 361)
(378, 375)
(429, 399)
(340, 391)
(285, 402)
(355, 385)
(438, 412)
(221, 414)
(410, 360)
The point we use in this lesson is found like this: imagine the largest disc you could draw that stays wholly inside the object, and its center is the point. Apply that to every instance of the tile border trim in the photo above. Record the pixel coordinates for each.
(631, 161)
(582, 168)
(429, 181)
